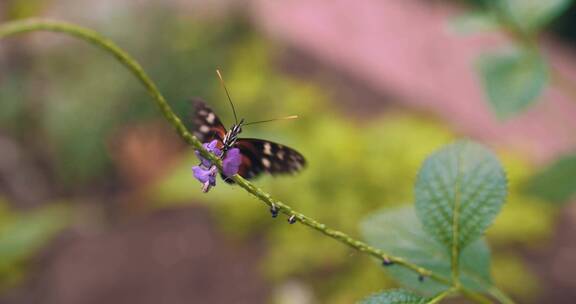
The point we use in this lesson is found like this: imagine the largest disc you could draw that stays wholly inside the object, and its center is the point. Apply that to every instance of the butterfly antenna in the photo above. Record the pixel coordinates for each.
(275, 119)
(227, 94)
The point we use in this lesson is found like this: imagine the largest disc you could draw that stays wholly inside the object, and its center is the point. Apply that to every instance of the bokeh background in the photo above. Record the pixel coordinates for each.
(98, 203)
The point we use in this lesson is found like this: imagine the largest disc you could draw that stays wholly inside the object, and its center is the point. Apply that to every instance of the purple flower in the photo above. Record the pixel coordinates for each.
(212, 148)
(232, 162)
(206, 171)
(206, 176)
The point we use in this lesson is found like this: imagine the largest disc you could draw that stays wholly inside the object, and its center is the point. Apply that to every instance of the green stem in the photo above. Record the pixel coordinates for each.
(455, 255)
(474, 296)
(439, 297)
(30, 25)
(500, 295)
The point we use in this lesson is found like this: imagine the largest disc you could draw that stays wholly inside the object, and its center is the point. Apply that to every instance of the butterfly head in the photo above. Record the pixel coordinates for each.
(232, 135)
(237, 128)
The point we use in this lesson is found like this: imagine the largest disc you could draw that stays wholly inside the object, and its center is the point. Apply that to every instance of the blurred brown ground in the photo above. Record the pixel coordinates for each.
(169, 257)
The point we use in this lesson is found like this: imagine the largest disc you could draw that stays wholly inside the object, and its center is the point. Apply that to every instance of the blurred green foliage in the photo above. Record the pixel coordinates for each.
(513, 276)
(22, 235)
(530, 15)
(24, 9)
(77, 97)
(556, 183)
(537, 214)
(474, 22)
(11, 95)
(356, 166)
(512, 80)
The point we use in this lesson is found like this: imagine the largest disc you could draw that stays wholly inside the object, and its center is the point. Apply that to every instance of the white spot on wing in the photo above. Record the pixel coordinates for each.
(204, 129)
(280, 154)
(267, 149)
(266, 163)
(210, 118)
(297, 166)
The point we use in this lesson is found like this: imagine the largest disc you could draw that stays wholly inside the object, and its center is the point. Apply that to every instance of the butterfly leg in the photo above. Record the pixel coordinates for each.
(387, 262)
(274, 210)
(227, 179)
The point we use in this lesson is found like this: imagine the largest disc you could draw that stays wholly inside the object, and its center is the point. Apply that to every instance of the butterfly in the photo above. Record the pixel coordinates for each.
(258, 155)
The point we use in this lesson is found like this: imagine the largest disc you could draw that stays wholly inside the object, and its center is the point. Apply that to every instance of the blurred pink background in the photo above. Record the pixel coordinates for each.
(363, 39)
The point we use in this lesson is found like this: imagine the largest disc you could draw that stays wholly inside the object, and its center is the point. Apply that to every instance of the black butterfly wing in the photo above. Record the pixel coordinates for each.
(207, 125)
(263, 156)
(258, 156)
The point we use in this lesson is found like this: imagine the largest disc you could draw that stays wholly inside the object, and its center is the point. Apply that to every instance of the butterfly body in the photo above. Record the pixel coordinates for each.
(258, 155)
(231, 136)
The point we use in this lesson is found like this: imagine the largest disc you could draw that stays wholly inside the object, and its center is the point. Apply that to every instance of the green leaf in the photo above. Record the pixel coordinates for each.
(21, 235)
(474, 22)
(400, 233)
(394, 296)
(512, 81)
(459, 191)
(531, 15)
(556, 183)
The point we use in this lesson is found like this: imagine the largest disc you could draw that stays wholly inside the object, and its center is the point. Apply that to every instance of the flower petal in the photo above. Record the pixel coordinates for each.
(204, 162)
(201, 174)
(212, 147)
(231, 163)
(206, 176)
